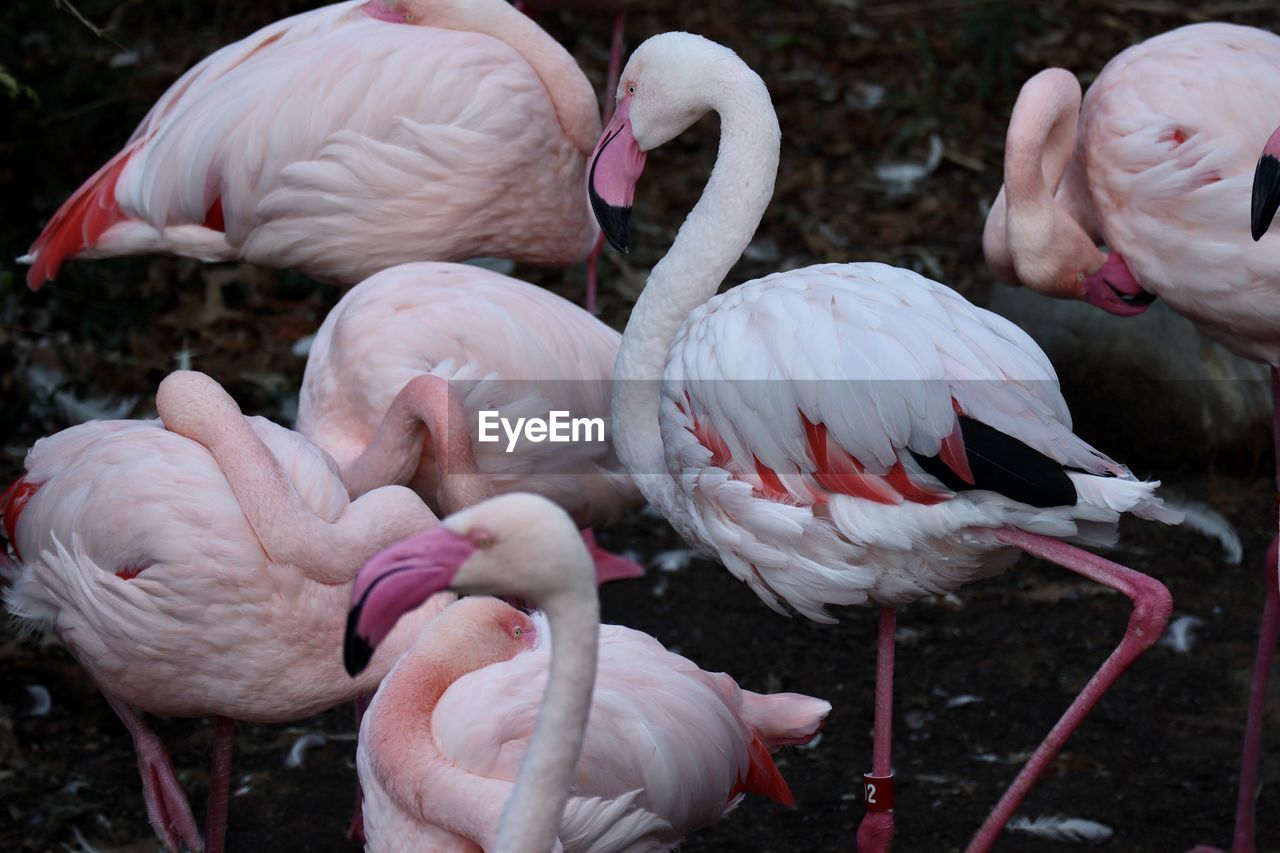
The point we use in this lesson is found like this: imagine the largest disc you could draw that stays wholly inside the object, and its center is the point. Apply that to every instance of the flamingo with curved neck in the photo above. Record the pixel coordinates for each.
(468, 341)
(473, 552)
(1035, 239)
(841, 434)
(440, 753)
(195, 567)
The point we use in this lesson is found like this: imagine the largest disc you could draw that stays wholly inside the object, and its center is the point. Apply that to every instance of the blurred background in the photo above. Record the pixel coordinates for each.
(893, 117)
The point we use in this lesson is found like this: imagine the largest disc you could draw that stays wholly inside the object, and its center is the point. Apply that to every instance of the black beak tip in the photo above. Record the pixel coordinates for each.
(356, 651)
(615, 222)
(1266, 195)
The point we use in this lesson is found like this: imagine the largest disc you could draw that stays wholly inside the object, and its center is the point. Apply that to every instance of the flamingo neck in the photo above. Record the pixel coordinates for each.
(567, 87)
(425, 416)
(1041, 139)
(707, 246)
(532, 817)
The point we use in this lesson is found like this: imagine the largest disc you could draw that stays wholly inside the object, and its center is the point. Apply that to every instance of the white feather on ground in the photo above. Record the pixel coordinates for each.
(297, 756)
(1073, 830)
(1179, 636)
(1204, 519)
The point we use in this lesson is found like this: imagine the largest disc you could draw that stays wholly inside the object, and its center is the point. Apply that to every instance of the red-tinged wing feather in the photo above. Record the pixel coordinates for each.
(12, 501)
(763, 776)
(80, 221)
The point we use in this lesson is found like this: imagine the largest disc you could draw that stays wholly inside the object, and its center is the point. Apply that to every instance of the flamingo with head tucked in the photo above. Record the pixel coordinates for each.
(1158, 162)
(505, 347)
(172, 558)
(348, 139)
(845, 433)
(202, 565)
(667, 749)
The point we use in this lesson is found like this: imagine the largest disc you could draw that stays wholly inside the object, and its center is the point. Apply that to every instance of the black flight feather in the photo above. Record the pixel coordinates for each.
(1002, 463)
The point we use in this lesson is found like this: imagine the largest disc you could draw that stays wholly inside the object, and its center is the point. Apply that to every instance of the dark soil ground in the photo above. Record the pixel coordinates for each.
(1156, 762)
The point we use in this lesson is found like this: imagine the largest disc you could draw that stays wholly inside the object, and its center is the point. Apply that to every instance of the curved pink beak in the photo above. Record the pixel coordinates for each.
(616, 165)
(395, 581)
(1113, 288)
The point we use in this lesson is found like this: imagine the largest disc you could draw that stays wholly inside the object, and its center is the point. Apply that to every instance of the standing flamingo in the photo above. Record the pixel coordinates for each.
(669, 748)
(348, 139)
(1157, 164)
(845, 433)
(505, 346)
(174, 559)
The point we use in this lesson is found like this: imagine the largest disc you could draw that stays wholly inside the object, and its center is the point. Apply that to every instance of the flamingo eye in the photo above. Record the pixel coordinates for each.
(1080, 276)
(482, 540)
(517, 631)
(631, 88)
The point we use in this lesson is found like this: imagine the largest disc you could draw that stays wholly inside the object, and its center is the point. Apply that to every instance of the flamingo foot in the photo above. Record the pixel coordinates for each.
(1152, 605)
(167, 808)
(610, 566)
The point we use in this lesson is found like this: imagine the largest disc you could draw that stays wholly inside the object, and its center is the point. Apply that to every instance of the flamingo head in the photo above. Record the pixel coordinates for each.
(1266, 187)
(667, 85)
(1113, 288)
(1051, 254)
(516, 545)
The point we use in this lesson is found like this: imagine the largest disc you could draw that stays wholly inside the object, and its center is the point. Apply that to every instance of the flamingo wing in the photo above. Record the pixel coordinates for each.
(410, 127)
(815, 416)
(667, 746)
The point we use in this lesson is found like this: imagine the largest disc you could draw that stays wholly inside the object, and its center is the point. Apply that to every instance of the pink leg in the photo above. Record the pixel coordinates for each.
(609, 566)
(355, 832)
(875, 833)
(1151, 607)
(215, 823)
(1246, 799)
(615, 63)
(167, 807)
(1248, 794)
(593, 272)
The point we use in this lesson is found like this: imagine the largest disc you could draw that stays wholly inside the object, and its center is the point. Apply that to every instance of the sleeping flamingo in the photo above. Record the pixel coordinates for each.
(668, 749)
(348, 139)
(505, 346)
(845, 433)
(1157, 164)
(172, 558)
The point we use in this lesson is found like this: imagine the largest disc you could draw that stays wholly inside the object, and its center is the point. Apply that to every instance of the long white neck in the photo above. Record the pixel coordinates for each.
(710, 242)
(531, 819)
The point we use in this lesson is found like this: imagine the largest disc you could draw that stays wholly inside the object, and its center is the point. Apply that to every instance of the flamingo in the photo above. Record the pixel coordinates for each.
(843, 434)
(668, 748)
(171, 558)
(506, 346)
(1156, 162)
(201, 565)
(348, 139)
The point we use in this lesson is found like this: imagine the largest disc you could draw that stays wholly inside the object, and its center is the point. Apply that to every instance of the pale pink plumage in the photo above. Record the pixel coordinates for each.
(846, 433)
(502, 344)
(669, 747)
(179, 581)
(1161, 172)
(346, 140)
